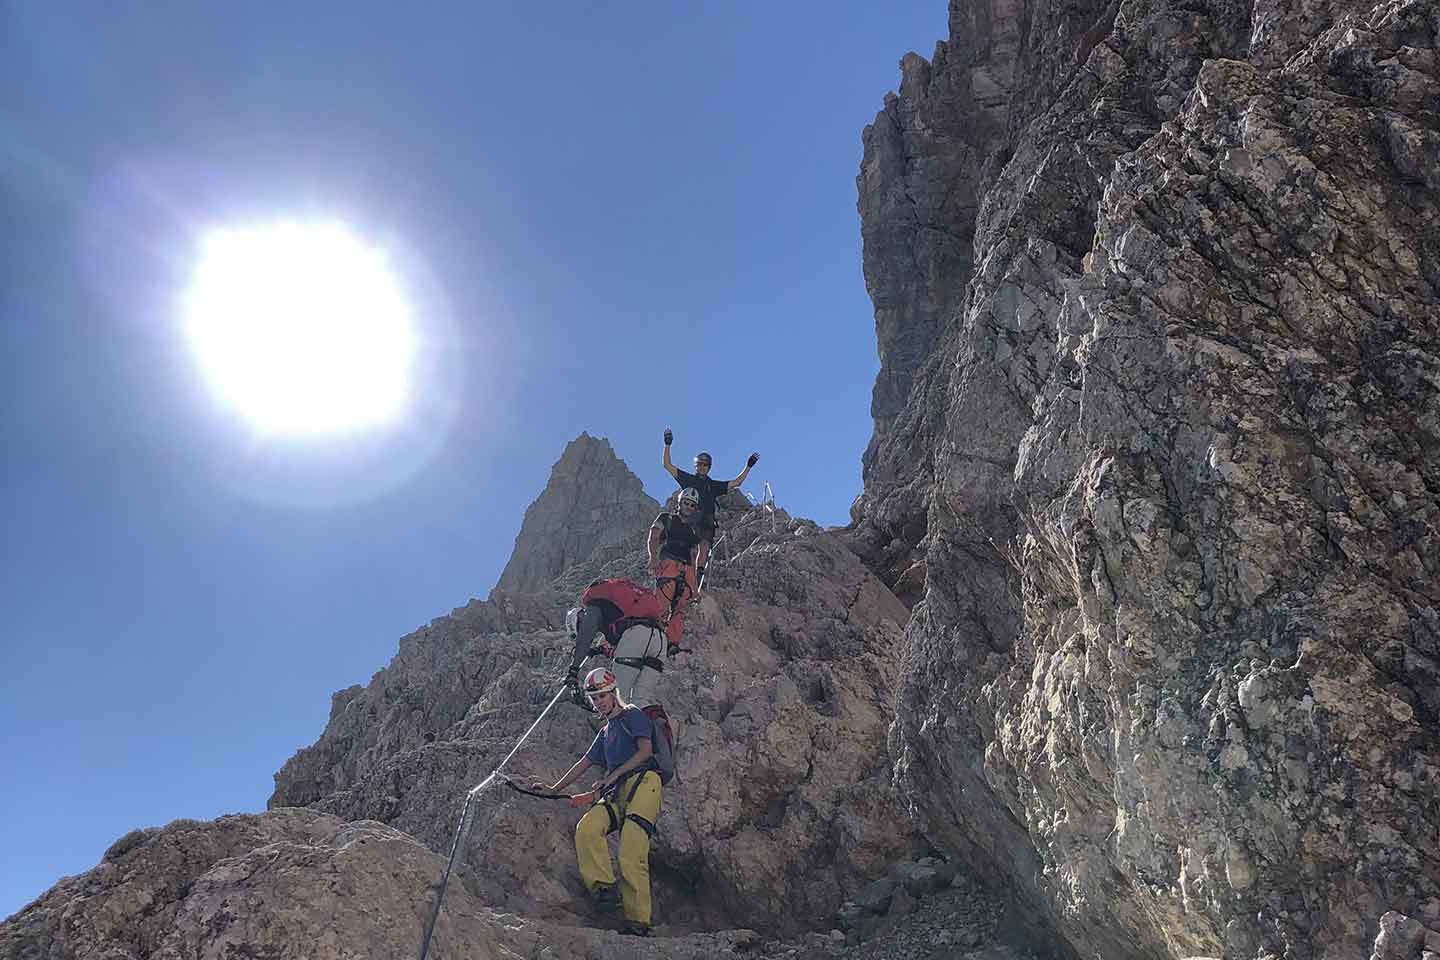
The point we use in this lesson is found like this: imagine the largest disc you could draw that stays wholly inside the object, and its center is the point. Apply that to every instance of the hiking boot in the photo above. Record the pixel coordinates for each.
(604, 899)
(635, 930)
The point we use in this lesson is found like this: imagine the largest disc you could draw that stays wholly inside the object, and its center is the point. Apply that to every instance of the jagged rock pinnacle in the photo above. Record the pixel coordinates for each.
(592, 500)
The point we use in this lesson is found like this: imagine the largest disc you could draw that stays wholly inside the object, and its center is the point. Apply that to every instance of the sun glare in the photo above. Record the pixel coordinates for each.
(300, 328)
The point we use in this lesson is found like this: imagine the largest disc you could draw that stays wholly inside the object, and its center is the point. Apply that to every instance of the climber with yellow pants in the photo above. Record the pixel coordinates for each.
(631, 804)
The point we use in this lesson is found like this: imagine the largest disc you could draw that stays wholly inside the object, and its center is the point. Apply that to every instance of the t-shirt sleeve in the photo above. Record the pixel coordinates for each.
(662, 521)
(596, 753)
(686, 479)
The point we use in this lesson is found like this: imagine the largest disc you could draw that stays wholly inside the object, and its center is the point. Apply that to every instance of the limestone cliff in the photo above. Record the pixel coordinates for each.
(783, 805)
(1166, 484)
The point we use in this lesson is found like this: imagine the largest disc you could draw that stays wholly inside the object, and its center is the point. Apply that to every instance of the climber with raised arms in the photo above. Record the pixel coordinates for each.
(710, 490)
(631, 791)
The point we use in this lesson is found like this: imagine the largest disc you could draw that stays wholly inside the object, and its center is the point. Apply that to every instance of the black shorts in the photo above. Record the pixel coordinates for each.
(705, 527)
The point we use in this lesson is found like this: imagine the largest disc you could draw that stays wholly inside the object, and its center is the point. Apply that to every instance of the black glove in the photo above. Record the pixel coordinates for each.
(669, 437)
(754, 459)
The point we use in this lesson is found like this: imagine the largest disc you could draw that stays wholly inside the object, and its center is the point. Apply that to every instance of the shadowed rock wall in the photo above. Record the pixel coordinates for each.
(1169, 471)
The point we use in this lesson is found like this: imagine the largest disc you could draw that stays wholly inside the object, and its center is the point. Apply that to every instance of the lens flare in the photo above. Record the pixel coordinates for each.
(300, 328)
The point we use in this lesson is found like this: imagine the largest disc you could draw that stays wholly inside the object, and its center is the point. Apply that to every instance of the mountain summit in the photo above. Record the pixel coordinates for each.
(591, 501)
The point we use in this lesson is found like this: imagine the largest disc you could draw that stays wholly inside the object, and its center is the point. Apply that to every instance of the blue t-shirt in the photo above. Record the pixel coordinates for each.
(615, 743)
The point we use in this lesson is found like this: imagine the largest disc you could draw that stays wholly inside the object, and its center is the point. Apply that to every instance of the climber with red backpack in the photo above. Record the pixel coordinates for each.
(636, 752)
(626, 622)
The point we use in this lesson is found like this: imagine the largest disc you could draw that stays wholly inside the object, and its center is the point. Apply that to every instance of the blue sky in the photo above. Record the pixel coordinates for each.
(607, 216)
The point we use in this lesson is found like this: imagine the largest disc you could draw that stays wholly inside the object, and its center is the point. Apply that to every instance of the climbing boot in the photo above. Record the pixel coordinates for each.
(605, 899)
(633, 929)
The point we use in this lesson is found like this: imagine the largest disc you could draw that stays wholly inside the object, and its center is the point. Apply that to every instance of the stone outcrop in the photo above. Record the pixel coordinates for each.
(592, 502)
(1170, 470)
(783, 808)
(783, 804)
(292, 884)
(295, 884)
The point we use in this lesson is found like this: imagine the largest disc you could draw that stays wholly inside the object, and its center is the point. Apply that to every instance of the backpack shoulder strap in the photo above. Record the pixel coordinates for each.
(624, 723)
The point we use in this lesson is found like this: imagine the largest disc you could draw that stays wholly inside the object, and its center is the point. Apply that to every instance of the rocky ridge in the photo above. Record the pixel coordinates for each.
(784, 799)
(783, 809)
(592, 502)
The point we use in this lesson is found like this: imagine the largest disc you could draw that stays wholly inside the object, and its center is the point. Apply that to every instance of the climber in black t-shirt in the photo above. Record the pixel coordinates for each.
(710, 490)
(671, 546)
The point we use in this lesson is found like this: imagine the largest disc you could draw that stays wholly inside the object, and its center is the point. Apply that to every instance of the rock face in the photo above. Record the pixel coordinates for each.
(592, 501)
(291, 884)
(783, 808)
(1171, 469)
(783, 804)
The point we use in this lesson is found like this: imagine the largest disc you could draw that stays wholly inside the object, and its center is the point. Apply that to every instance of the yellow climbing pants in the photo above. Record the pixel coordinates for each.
(593, 853)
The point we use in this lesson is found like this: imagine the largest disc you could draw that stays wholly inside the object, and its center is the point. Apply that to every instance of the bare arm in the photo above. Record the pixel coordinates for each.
(738, 481)
(642, 754)
(575, 773)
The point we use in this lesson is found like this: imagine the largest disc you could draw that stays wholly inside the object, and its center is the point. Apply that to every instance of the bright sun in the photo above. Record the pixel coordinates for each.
(300, 328)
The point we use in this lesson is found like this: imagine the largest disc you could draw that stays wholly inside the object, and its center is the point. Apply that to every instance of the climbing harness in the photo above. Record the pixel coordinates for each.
(679, 585)
(635, 659)
(677, 591)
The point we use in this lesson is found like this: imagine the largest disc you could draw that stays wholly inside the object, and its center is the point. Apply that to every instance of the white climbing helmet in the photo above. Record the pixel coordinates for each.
(598, 680)
(689, 496)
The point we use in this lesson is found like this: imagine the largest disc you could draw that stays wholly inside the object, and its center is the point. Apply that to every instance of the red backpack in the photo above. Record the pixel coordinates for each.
(627, 601)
